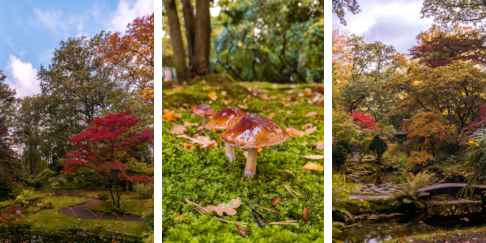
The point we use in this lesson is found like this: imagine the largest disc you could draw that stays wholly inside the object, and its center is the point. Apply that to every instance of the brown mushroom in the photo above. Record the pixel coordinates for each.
(226, 118)
(203, 111)
(253, 132)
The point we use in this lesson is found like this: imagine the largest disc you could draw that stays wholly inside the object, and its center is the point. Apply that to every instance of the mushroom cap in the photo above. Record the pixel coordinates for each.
(254, 131)
(226, 118)
(203, 110)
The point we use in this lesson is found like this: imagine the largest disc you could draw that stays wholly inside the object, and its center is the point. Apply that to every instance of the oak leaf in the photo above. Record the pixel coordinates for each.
(294, 132)
(228, 208)
(178, 129)
(312, 166)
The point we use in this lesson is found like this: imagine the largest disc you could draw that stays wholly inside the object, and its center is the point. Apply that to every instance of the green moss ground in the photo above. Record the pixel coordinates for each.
(205, 177)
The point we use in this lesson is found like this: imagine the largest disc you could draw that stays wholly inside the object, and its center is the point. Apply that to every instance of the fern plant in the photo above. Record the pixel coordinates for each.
(411, 186)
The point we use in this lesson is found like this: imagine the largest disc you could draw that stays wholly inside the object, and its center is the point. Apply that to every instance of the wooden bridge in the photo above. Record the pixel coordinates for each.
(434, 190)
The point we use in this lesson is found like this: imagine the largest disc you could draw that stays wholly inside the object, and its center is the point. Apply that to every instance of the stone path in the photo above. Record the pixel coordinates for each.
(82, 211)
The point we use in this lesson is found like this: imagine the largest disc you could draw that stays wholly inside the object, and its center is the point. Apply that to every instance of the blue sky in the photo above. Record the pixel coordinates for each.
(30, 30)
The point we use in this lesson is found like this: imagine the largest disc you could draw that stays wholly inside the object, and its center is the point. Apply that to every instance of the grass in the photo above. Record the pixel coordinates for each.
(204, 176)
(129, 203)
(49, 220)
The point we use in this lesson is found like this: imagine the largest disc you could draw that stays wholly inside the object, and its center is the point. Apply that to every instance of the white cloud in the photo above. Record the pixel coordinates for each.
(22, 76)
(46, 55)
(127, 11)
(57, 23)
(395, 22)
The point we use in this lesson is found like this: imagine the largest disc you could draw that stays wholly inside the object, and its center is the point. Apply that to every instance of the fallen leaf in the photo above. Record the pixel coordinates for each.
(276, 201)
(320, 118)
(200, 128)
(223, 93)
(289, 172)
(271, 115)
(308, 93)
(288, 112)
(244, 101)
(264, 96)
(312, 166)
(188, 146)
(313, 156)
(318, 145)
(203, 82)
(188, 124)
(228, 208)
(310, 114)
(213, 96)
(310, 130)
(185, 105)
(304, 143)
(171, 116)
(227, 102)
(206, 88)
(307, 213)
(283, 103)
(242, 231)
(248, 96)
(243, 106)
(319, 88)
(178, 129)
(294, 132)
(204, 141)
(272, 97)
(176, 214)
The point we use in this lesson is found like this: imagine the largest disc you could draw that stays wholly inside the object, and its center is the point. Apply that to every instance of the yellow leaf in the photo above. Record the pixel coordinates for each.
(312, 166)
(213, 96)
(206, 88)
(312, 156)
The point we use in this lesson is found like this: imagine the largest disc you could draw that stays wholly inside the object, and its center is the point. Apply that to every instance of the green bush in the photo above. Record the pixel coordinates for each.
(103, 196)
(32, 201)
(339, 155)
(144, 191)
(345, 144)
(378, 146)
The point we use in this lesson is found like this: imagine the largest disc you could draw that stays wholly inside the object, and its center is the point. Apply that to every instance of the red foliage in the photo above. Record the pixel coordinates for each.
(108, 146)
(364, 121)
(437, 48)
(479, 123)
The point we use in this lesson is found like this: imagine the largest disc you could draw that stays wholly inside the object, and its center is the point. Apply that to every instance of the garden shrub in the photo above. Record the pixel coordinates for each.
(339, 155)
(33, 202)
(103, 196)
(144, 191)
(378, 146)
(345, 144)
(13, 218)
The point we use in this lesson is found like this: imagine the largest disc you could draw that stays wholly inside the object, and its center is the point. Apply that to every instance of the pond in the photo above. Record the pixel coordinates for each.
(31, 237)
(445, 217)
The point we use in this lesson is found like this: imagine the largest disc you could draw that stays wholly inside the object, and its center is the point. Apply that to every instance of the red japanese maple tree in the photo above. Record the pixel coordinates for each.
(106, 147)
(364, 121)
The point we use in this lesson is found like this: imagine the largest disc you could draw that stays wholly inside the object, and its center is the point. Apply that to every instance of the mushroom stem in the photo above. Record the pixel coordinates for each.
(251, 162)
(230, 152)
(204, 120)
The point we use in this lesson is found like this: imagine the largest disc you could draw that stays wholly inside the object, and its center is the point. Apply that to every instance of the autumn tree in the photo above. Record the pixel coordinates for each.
(455, 90)
(107, 147)
(428, 130)
(340, 6)
(441, 47)
(133, 52)
(446, 12)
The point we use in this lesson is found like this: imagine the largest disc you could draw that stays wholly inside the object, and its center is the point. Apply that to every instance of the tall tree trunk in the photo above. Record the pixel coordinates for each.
(176, 40)
(34, 167)
(188, 11)
(200, 63)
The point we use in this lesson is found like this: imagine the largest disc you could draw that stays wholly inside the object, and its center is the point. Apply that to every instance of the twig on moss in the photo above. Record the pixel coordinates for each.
(273, 211)
(251, 206)
(290, 222)
(204, 211)
(290, 190)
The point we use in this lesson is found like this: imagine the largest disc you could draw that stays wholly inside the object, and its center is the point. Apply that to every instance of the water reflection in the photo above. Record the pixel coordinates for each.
(30, 237)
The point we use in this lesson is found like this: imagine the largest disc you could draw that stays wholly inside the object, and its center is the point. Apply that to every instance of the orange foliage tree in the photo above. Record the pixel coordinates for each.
(134, 53)
(428, 130)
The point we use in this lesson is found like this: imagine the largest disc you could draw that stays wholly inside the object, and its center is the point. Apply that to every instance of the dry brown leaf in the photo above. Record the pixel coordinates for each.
(243, 106)
(271, 115)
(318, 145)
(242, 231)
(304, 143)
(306, 214)
(185, 105)
(276, 201)
(310, 130)
(199, 128)
(310, 114)
(289, 172)
(294, 132)
(203, 82)
(248, 96)
(228, 208)
(320, 118)
(188, 146)
(213, 96)
(205, 142)
(283, 103)
(244, 101)
(171, 116)
(288, 112)
(264, 96)
(223, 93)
(308, 93)
(307, 125)
(206, 88)
(188, 124)
(312, 166)
(313, 156)
(178, 129)
(272, 97)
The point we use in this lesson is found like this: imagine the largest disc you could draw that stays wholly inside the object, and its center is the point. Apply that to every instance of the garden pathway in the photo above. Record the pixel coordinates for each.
(82, 211)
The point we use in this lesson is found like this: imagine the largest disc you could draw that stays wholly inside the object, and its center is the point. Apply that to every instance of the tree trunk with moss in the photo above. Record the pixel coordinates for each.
(176, 40)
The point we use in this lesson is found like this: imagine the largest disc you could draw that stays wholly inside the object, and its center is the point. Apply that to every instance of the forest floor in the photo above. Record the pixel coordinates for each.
(204, 176)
